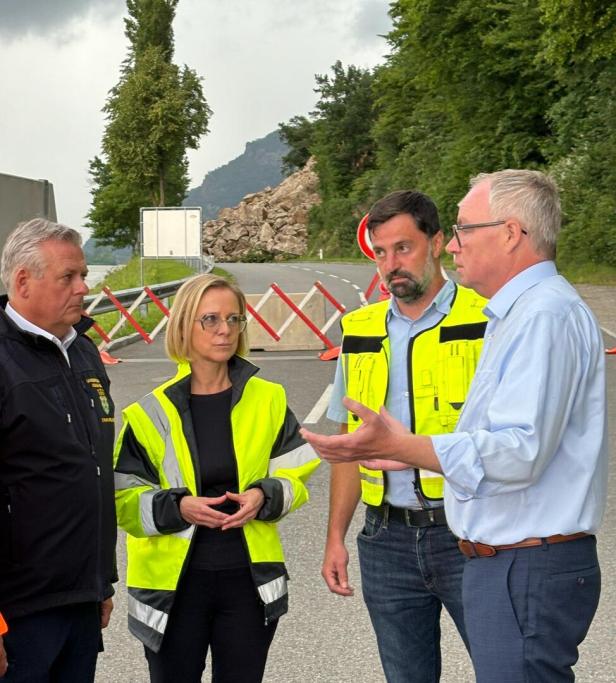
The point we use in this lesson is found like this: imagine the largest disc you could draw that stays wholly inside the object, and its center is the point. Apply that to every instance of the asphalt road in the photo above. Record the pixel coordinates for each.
(325, 637)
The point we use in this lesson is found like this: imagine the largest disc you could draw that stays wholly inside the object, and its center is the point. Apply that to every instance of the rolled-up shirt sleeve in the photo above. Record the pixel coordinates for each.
(517, 409)
(336, 410)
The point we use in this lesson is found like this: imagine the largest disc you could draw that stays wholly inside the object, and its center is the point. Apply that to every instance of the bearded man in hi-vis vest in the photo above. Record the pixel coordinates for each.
(415, 354)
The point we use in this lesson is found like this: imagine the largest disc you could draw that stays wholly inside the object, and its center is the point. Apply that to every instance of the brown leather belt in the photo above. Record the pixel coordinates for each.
(471, 549)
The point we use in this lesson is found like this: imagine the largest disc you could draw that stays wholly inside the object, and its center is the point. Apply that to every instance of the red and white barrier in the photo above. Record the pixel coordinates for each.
(297, 311)
(126, 316)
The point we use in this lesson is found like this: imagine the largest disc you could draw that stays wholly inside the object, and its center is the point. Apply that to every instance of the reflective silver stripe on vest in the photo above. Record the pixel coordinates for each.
(295, 458)
(371, 480)
(151, 617)
(287, 495)
(130, 481)
(146, 508)
(152, 408)
(274, 590)
(147, 513)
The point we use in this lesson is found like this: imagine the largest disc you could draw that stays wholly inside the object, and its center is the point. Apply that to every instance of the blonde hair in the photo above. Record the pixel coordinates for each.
(532, 198)
(184, 312)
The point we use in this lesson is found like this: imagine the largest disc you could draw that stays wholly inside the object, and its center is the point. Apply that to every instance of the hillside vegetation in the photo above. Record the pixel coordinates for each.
(466, 88)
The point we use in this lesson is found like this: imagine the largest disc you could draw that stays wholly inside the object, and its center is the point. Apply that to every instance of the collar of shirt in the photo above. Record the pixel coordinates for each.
(27, 326)
(501, 303)
(441, 303)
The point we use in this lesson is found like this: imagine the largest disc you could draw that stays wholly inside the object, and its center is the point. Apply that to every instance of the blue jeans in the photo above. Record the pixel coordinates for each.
(407, 574)
(528, 609)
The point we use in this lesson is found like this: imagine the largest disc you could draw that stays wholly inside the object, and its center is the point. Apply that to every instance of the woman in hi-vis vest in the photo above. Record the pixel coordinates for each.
(205, 466)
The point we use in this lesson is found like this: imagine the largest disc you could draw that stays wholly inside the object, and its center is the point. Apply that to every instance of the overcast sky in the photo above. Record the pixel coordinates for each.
(257, 59)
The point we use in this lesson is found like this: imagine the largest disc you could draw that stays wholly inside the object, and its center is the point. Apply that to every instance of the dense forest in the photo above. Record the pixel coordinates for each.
(470, 87)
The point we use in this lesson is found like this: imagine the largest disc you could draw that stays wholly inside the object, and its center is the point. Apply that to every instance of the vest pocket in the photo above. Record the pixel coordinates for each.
(456, 367)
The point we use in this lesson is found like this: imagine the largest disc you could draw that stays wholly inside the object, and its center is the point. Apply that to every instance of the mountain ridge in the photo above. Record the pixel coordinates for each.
(258, 167)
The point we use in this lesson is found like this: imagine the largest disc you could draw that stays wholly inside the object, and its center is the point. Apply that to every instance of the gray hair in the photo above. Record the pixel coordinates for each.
(22, 247)
(532, 198)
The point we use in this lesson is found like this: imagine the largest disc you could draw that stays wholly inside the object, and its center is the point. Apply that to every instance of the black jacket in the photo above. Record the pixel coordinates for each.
(57, 514)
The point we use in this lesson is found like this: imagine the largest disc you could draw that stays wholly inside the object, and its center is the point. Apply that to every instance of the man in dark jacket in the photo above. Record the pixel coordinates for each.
(57, 517)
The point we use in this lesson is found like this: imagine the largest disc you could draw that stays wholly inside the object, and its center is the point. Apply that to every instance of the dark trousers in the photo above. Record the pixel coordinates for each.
(527, 610)
(58, 645)
(408, 573)
(219, 611)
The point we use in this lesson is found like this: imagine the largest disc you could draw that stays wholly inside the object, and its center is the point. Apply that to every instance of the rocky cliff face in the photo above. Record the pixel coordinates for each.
(272, 223)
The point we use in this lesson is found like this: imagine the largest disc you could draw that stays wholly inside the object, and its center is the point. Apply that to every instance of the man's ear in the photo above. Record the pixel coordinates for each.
(514, 232)
(438, 241)
(21, 282)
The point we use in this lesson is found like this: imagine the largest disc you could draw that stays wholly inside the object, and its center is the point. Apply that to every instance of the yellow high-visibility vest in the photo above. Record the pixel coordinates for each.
(156, 560)
(441, 364)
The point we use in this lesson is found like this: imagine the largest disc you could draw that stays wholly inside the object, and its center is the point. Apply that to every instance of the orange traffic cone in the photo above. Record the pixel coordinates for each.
(611, 352)
(108, 359)
(330, 354)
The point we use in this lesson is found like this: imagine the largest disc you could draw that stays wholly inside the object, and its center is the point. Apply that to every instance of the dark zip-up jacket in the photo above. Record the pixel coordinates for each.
(57, 513)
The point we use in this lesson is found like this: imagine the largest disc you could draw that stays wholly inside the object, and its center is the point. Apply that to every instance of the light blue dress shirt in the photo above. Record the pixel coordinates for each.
(529, 455)
(400, 489)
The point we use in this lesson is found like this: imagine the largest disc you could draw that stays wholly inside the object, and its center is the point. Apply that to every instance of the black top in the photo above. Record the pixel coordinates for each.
(211, 416)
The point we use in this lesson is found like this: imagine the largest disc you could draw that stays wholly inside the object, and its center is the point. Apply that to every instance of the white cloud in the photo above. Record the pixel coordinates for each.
(257, 57)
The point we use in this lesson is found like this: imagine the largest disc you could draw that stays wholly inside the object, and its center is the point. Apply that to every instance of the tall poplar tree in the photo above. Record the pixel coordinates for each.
(154, 114)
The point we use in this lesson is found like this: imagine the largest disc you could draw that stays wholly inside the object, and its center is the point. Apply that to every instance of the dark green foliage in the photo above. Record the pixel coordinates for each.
(580, 46)
(339, 135)
(472, 87)
(298, 134)
(154, 114)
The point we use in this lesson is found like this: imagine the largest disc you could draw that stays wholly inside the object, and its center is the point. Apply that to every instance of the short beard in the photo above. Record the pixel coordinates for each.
(413, 289)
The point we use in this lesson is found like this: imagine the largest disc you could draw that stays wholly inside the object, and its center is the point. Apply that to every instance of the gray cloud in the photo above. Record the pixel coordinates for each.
(371, 21)
(19, 18)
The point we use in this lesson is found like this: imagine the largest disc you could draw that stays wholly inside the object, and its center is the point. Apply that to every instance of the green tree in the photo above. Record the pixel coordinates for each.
(298, 134)
(342, 142)
(463, 91)
(154, 114)
(580, 45)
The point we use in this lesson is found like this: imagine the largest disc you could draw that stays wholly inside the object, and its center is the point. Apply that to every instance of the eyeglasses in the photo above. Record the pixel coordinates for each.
(212, 322)
(458, 228)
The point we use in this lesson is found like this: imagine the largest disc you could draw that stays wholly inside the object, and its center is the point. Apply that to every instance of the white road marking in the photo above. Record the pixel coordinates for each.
(356, 287)
(345, 280)
(306, 268)
(332, 275)
(320, 406)
(320, 272)
(612, 334)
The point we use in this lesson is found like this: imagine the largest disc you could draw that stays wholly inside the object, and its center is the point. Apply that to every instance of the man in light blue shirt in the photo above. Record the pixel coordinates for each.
(526, 469)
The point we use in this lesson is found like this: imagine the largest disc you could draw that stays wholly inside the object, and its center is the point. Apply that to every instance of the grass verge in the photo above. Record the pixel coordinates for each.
(129, 276)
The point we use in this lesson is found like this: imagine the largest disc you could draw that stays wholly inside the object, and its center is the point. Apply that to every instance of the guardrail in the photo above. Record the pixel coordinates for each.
(128, 296)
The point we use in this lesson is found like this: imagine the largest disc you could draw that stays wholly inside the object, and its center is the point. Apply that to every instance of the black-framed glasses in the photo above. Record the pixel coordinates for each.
(458, 228)
(212, 322)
